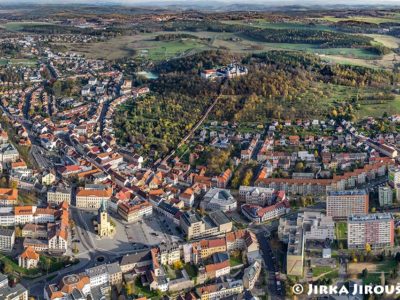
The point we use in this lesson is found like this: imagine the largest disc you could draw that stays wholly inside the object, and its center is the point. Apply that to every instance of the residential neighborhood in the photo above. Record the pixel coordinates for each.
(217, 166)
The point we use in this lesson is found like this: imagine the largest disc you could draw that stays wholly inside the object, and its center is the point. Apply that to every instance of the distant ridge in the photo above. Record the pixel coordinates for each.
(238, 5)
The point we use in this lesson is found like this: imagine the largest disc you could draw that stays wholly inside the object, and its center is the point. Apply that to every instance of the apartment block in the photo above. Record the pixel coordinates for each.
(342, 204)
(7, 239)
(385, 196)
(377, 230)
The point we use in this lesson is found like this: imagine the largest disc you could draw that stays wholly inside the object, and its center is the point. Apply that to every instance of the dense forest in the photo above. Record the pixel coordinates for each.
(9, 49)
(10, 75)
(61, 29)
(196, 62)
(288, 85)
(322, 38)
(196, 26)
(174, 37)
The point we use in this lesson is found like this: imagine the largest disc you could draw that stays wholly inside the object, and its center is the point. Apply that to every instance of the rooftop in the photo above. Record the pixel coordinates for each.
(370, 217)
(347, 193)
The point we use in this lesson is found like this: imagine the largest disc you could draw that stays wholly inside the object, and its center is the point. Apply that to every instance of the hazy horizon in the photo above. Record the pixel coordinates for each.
(204, 2)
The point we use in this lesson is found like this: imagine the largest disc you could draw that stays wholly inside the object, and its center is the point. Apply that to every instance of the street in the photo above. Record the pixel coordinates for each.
(275, 289)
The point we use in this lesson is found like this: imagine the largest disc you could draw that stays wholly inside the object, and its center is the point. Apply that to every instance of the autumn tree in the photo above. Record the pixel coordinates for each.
(177, 265)
(7, 268)
(299, 166)
(248, 175)
(18, 231)
(128, 289)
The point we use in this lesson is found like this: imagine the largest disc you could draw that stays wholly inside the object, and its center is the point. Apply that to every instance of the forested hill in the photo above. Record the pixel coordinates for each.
(199, 61)
(279, 85)
(322, 38)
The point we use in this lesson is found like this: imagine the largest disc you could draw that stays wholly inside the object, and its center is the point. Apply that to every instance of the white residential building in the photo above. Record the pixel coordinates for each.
(98, 275)
(256, 195)
(218, 199)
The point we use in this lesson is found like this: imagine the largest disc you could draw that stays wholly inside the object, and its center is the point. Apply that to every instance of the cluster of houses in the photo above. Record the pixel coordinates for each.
(72, 144)
(42, 229)
(204, 264)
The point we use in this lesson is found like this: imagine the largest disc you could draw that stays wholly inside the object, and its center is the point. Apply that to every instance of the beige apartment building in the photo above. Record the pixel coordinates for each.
(342, 204)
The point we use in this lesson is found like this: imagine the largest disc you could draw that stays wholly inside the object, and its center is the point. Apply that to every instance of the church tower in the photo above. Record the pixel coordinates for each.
(103, 225)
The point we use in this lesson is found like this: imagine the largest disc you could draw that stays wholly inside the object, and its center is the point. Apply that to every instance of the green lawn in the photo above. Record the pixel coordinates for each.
(372, 278)
(172, 274)
(235, 261)
(347, 52)
(55, 263)
(375, 277)
(24, 272)
(262, 23)
(341, 231)
(317, 271)
(387, 266)
(140, 290)
(332, 275)
(166, 49)
(250, 127)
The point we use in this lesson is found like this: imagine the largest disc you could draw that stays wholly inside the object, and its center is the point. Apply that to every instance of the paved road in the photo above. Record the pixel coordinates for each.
(269, 264)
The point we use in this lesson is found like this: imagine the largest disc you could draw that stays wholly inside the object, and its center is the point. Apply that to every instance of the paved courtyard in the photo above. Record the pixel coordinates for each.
(131, 237)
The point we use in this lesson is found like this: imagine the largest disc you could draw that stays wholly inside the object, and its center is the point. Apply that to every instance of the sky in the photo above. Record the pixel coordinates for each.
(161, 2)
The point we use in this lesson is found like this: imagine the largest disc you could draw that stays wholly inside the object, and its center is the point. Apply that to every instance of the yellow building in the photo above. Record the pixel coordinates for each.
(103, 226)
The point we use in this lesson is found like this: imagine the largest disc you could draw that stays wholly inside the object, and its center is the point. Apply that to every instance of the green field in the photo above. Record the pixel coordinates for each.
(343, 52)
(145, 45)
(347, 52)
(261, 23)
(165, 50)
(17, 26)
(377, 109)
(142, 45)
(374, 20)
